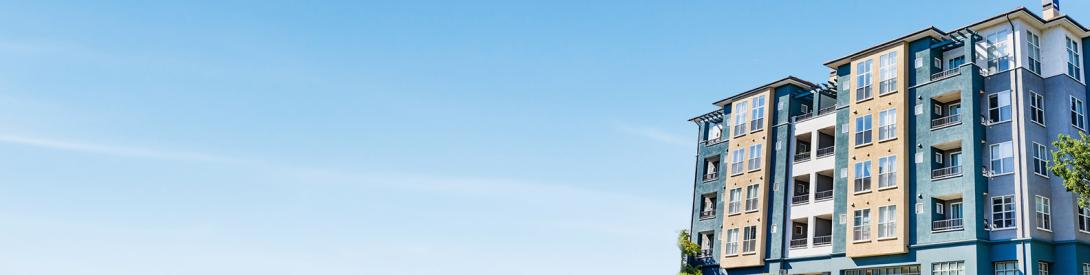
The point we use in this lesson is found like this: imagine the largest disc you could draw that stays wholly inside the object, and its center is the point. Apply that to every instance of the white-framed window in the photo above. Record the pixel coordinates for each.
(887, 73)
(999, 107)
(755, 156)
(1003, 212)
(711, 168)
(749, 239)
(1073, 57)
(861, 225)
(1085, 268)
(707, 207)
(863, 80)
(887, 172)
(715, 133)
(1006, 268)
(887, 124)
(863, 126)
(887, 221)
(1044, 213)
(1078, 113)
(1002, 158)
(758, 114)
(1034, 42)
(706, 239)
(752, 193)
(1040, 159)
(862, 176)
(740, 119)
(731, 242)
(948, 268)
(736, 162)
(1037, 108)
(1084, 220)
(998, 51)
(734, 205)
(1043, 268)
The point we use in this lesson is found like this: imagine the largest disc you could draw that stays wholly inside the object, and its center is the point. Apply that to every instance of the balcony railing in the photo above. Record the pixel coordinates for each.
(798, 243)
(823, 195)
(823, 240)
(711, 177)
(704, 253)
(707, 214)
(712, 141)
(946, 121)
(800, 199)
(946, 172)
(802, 156)
(810, 115)
(825, 152)
(946, 225)
(946, 73)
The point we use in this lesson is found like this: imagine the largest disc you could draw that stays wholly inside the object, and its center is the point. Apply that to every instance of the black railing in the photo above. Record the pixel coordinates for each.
(818, 113)
(802, 156)
(800, 199)
(823, 240)
(798, 243)
(945, 121)
(946, 172)
(711, 177)
(825, 152)
(946, 73)
(823, 195)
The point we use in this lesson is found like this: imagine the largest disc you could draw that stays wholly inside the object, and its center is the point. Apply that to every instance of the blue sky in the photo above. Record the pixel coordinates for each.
(408, 137)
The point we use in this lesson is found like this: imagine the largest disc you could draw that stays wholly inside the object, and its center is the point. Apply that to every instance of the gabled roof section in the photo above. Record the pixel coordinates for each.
(792, 80)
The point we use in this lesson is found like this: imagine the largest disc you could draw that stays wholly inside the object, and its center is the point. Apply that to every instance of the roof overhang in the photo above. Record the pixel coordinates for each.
(926, 32)
(806, 85)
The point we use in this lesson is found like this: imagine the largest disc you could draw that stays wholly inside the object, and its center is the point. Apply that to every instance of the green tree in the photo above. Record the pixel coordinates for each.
(689, 250)
(1071, 162)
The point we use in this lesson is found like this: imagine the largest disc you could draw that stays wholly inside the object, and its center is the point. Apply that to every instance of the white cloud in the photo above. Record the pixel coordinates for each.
(120, 151)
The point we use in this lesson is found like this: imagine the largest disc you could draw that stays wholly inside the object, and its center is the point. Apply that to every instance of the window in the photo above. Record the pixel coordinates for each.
(732, 242)
(1044, 213)
(706, 244)
(749, 239)
(755, 156)
(1078, 113)
(1037, 108)
(887, 172)
(752, 192)
(736, 164)
(998, 55)
(887, 73)
(1034, 42)
(758, 114)
(735, 203)
(711, 168)
(999, 107)
(1085, 269)
(1002, 158)
(1043, 268)
(948, 268)
(862, 176)
(740, 119)
(861, 225)
(1084, 220)
(1006, 268)
(955, 62)
(863, 130)
(887, 224)
(1003, 212)
(887, 124)
(1073, 68)
(863, 80)
(715, 133)
(1040, 159)
(707, 208)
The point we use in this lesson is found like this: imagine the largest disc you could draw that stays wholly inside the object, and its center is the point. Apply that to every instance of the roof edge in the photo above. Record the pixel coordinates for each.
(790, 79)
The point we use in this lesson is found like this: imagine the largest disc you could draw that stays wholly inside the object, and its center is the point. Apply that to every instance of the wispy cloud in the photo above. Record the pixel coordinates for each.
(654, 134)
(120, 151)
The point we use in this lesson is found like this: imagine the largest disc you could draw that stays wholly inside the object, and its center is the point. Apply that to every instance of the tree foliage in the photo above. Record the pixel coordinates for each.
(689, 251)
(1071, 162)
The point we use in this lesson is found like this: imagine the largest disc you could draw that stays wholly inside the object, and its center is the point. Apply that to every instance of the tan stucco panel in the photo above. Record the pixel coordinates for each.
(747, 178)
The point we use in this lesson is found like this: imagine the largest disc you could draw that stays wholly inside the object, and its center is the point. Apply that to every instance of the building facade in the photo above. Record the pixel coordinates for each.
(925, 154)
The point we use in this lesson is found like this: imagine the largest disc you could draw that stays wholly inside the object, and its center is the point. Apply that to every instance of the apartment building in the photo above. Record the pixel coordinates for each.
(924, 154)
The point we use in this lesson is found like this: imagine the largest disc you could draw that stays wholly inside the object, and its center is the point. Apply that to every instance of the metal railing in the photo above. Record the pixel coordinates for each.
(825, 152)
(823, 195)
(707, 214)
(945, 121)
(798, 243)
(823, 240)
(802, 156)
(712, 141)
(818, 113)
(711, 177)
(946, 172)
(800, 199)
(704, 253)
(946, 73)
(947, 225)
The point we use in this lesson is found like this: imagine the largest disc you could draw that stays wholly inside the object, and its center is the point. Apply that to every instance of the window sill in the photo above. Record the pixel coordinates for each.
(886, 238)
(861, 241)
(1039, 174)
(1038, 123)
(864, 144)
(881, 94)
(885, 140)
(999, 175)
(1045, 230)
(989, 124)
(861, 192)
(734, 214)
(753, 170)
(887, 188)
(857, 101)
(749, 253)
(1084, 231)
(756, 130)
(751, 211)
(1003, 229)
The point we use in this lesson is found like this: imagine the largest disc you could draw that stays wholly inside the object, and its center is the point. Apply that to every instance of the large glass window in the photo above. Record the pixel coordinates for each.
(1043, 268)
(863, 80)
(752, 193)
(755, 156)
(1044, 213)
(887, 221)
(731, 246)
(948, 268)
(887, 73)
(863, 130)
(1006, 268)
(1084, 220)
(999, 107)
(998, 51)
(1003, 212)
(737, 166)
(1002, 158)
(887, 124)
(861, 225)
(1040, 159)
(749, 239)
(1078, 113)
(862, 176)
(1073, 57)
(740, 119)
(1034, 42)
(758, 114)
(887, 172)
(734, 205)
(1037, 108)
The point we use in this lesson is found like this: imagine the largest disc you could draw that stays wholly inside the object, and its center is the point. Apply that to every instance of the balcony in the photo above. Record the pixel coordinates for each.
(798, 243)
(946, 225)
(810, 115)
(825, 152)
(823, 240)
(946, 74)
(712, 141)
(802, 157)
(823, 195)
(800, 199)
(946, 172)
(704, 253)
(711, 177)
(945, 121)
(707, 214)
